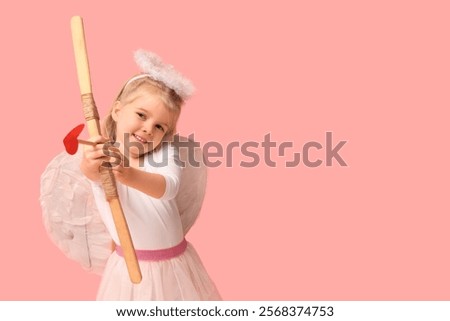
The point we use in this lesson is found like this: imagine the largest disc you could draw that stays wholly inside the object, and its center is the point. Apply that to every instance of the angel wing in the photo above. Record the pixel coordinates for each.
(193, 181)
(70, 215)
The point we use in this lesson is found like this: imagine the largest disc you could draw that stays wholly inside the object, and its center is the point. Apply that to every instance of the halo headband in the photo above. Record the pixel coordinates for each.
(153, 67)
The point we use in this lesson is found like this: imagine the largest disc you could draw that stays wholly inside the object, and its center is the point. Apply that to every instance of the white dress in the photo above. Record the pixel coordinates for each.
(78, 219)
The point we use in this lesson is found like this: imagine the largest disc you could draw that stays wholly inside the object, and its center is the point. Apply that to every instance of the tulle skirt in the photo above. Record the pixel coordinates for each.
(181, 278)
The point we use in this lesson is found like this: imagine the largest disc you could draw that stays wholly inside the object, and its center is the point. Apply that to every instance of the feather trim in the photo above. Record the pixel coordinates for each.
(151, 64)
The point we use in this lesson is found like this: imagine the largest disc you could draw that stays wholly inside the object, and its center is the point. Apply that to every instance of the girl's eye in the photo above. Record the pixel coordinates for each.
(141, 115)
(160, 127)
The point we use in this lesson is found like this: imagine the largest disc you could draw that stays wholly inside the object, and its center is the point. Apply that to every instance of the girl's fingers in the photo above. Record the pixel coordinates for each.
(100, 150)
(98, 139)
(102, 153)
(100, 142)
(94, 152)
(115, 157)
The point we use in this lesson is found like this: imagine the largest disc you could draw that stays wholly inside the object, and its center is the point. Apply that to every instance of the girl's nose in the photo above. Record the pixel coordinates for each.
(148, 129)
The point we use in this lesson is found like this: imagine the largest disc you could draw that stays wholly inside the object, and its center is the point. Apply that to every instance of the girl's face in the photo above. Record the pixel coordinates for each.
(142, 121)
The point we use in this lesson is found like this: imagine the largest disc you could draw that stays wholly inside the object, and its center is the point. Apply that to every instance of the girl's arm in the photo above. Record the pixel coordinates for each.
(162, 184)
(151, 184)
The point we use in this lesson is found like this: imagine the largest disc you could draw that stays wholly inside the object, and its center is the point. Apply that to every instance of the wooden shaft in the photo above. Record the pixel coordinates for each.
(93, 125)
(79, 46)
(130, 255)
(86, 142)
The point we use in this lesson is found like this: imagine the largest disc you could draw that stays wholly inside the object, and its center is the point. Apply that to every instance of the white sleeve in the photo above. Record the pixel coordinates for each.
(166, 162)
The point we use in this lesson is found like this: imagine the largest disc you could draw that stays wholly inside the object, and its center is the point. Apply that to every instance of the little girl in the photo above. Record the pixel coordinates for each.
(148, 172)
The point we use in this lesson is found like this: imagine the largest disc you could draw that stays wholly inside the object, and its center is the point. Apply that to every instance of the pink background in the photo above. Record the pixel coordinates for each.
(375, 74)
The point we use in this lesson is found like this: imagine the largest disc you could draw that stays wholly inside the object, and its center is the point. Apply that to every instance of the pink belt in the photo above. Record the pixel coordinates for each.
(157, 255)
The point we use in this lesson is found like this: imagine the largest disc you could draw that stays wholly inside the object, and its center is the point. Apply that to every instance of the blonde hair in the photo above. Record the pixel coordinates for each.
(171, 100)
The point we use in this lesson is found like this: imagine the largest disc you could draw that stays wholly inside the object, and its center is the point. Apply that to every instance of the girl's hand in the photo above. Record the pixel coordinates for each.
(122, 171)
(93, 158)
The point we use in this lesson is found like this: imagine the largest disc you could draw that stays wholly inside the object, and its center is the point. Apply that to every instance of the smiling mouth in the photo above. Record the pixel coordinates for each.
(140, 139)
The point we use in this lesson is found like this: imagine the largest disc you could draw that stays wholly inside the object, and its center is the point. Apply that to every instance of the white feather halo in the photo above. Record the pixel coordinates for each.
(151, 65)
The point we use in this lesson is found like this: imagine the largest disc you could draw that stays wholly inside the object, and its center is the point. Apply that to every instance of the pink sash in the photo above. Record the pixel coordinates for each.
(157, 255)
